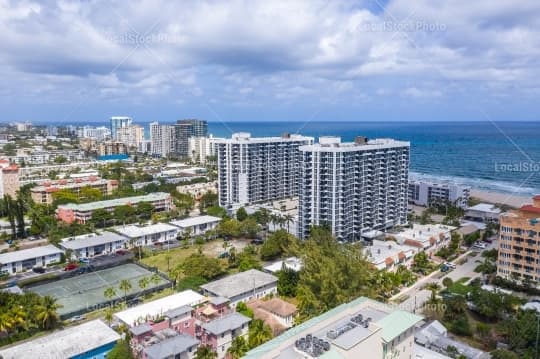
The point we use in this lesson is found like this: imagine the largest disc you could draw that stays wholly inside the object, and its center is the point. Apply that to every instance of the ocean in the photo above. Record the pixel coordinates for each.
(501, 157)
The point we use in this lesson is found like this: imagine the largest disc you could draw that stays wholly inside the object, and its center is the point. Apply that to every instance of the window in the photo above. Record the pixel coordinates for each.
(186, 325)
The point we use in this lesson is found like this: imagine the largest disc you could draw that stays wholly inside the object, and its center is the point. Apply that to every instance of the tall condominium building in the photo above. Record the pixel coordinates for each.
(131, 135)
(252, 170)
(118, 122)
(184, 130)
(353, 188)
(162, 139)
(519, 257)
(9, 178)
(425, 193)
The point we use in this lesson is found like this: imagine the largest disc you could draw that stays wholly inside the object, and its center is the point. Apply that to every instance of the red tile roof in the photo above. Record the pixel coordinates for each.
(530, 208)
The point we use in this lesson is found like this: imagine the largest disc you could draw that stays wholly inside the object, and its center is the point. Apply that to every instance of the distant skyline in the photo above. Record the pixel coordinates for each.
(306, 60)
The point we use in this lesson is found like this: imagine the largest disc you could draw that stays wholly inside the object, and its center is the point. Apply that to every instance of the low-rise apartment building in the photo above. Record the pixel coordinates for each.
(197, 190)
(242, 287)
(93, 244)
(426, 193)
(362, 328)
(44, 193)
(388, 254)
(81, 213)
(150, 234)
(519, 257)
(26, 259)
(220, 333)
(483, 212)
(196, 226)
(425, 237)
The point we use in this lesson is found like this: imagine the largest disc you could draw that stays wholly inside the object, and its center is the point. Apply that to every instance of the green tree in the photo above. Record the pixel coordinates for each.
(125, 213)
(109, 315)
(242, 308)
(258, 333)
(121, 350)
(144, 282)
(241, 214)
(216, 211)
(238, 348)
(109, 293)
(204, 352)
(100, 217)
(503, 354)
(89, 194)
(287, 282)
(46, 312)
(332, 273)
(64, 196)
(199, 265)
(125, 286)
(144, 210)
(433, 288)
(208, 199)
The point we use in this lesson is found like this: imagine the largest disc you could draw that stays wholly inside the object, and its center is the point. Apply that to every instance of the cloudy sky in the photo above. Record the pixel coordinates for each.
(372, 60)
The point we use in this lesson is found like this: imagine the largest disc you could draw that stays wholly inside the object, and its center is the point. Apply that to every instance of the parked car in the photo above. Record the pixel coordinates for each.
(257, 241)
(77, 318)
(38, 270)
(84, 260)
(224, 255)
(121, 252)
(450, 265)
(71, 266)
(480, 246)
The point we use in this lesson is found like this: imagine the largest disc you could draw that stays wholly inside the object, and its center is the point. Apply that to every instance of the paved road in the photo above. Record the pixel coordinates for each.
(418, 296)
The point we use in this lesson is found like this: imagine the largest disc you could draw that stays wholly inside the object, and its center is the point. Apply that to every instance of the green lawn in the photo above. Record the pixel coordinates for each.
(177, 255)
(459, 288)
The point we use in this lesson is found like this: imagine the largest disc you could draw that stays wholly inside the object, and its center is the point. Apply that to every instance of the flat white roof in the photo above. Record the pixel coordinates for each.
(195, 221)
(423, 232)
(30, 253)
(245, 137)
(133, 231)
(485, 207)
(133, 315)
(92, 241)
(240, 283)
(65, 343)
(337, 146)
(290, 263)
(380, 250)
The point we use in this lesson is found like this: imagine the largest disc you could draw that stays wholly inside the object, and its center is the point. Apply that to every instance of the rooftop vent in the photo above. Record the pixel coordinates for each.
(334, 333)
(312, 345)
(360, 140)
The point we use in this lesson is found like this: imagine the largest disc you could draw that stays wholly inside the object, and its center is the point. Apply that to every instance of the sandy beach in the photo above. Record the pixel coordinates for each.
(500, 198)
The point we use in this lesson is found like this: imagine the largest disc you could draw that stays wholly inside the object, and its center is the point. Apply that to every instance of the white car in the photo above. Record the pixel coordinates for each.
(450, 265)
(480, 246)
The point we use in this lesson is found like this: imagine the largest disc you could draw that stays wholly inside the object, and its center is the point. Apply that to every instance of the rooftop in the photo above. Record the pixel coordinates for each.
(195, 221)
(334, 144)
(226, 323)
(65, 343)
(340, 327)
(246, 137)
(485, 207)
(174, 313)
(30, 253)
(83, 207)
(237, 284)
(169, 347)
(290, 263)
(275, 306)
(141, 313)
(90, 241)
(133, 231)
(379, 251)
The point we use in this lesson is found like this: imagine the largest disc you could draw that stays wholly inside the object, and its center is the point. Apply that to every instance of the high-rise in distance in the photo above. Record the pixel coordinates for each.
(354, 187)
(118, 122)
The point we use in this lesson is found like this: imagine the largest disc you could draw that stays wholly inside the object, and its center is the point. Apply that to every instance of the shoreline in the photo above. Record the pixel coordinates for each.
(500, 198)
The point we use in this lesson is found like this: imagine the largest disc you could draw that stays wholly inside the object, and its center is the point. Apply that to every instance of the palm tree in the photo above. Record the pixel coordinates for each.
(125, 286)
(288, 219)
(238, 348)
(434, 288)
(46, 312)
(259, 333)
(6, 322)
(144, 282)
(109, 293)
(205, 352)
(109, 316)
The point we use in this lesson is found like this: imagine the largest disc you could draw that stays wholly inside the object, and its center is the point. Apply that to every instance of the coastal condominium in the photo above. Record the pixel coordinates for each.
(184, 130)
(519, 257)
(162, 139)
(252, 169)
(119, 122)
(426, 193)
(353, 188)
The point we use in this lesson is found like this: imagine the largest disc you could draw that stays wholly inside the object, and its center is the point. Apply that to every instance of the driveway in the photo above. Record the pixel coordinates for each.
(418, 296)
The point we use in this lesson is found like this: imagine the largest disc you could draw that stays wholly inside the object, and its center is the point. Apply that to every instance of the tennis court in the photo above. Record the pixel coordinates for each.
(84, 293)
